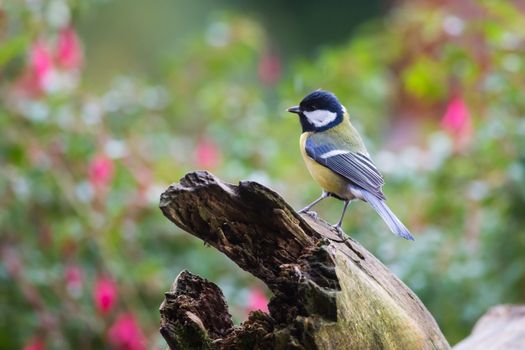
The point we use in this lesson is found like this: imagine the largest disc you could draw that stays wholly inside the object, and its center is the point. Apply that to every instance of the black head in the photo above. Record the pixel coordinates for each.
(320, 110)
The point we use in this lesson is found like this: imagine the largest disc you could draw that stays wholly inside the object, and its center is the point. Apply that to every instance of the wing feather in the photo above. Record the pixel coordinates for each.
(356, 167)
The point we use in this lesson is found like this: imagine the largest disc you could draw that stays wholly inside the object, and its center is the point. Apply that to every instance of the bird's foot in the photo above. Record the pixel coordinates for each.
(304, 210)
(340, 233)
(311, 213)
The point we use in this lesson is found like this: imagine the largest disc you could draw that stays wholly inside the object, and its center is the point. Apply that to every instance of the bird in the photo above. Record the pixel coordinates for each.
(337, 159)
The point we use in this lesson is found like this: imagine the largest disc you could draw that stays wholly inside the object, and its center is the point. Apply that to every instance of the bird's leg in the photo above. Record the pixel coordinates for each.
(309, 206)
(340, 222)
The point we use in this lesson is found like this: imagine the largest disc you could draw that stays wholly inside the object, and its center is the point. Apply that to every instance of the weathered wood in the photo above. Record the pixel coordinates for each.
(501, 328)
(327, 295)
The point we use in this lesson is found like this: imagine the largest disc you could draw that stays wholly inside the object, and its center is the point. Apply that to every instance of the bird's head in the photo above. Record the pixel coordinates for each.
(320, 110)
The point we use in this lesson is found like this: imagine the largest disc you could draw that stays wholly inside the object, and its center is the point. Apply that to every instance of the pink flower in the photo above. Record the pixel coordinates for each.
(101, 171)
(105, 294)
(35, 344)
(125, 334)
(269, 70)
(257, 300)
(457, 121)
(41, 64)
(207, 154)
(74, 277)
(69, 51)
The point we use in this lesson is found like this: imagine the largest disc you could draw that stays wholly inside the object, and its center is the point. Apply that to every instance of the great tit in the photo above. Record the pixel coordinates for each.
(337, 159)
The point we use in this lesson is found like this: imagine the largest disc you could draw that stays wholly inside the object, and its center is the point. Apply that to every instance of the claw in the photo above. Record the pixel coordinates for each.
(340, 233)
(311, 213)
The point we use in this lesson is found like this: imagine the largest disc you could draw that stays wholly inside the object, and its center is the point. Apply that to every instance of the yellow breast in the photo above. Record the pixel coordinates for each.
(331, 182)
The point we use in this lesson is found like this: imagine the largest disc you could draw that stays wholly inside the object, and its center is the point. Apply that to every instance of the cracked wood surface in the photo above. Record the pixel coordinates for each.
(327, 295)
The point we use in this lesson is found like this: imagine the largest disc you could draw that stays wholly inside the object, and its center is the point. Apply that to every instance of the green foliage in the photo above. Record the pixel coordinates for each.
(81, 172)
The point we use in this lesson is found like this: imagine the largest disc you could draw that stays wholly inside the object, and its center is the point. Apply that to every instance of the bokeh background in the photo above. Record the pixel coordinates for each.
(104, 103)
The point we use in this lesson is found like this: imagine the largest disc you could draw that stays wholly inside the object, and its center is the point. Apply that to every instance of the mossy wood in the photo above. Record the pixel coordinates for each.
(326, 295)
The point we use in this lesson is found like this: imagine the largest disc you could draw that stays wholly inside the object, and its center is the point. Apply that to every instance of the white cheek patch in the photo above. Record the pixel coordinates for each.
(320, 117)
(333, 153)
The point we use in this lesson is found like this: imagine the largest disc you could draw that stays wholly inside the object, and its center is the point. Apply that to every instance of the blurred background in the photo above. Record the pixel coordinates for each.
(104, 103)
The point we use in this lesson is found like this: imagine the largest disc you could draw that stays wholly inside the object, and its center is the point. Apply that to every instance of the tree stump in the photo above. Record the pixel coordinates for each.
(501, 328)
(326, 294)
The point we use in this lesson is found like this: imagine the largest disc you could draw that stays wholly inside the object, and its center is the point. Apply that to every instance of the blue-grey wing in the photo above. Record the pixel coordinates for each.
(356, 167)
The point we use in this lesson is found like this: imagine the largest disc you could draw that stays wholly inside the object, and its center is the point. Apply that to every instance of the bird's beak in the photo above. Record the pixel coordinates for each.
(294, 109)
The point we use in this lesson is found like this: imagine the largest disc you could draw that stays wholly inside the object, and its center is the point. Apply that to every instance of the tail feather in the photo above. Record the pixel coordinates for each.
(395, 225)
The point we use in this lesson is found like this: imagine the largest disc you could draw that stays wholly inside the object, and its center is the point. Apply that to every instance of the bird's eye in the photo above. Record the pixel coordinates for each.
(311, 108)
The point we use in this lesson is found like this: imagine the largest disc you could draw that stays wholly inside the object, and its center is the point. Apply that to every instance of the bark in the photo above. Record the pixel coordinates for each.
(326, 294)
(501, 328)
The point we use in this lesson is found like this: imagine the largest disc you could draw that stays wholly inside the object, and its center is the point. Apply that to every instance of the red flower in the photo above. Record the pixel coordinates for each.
(207, 154)
(41, 64)
(105, 294)
(257, 300)
(457, 121)
(35, 344)
(125, 334)
(269, 70)
(101, 171)
(69, 51)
